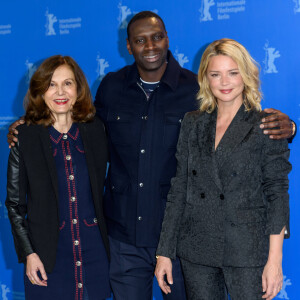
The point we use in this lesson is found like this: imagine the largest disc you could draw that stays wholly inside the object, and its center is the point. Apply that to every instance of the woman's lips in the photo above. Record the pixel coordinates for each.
(226, 91)
(61, 101)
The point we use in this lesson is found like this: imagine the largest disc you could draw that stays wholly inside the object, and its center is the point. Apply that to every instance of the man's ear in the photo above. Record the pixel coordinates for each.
(128, 47)
(167, 39)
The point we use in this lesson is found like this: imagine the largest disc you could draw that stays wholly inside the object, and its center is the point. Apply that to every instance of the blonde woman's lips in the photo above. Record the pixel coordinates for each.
(226, 91)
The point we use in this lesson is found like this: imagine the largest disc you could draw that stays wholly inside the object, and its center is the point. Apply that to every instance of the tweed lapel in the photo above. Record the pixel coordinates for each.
(235, 133)
(206, 131)
(46, 144)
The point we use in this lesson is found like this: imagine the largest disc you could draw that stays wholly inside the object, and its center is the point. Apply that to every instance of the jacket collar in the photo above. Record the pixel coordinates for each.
(214, 160)
(206, 130)
(56, 136)
(235, 133)
(170, 77)
(46, 144)
(86, 139)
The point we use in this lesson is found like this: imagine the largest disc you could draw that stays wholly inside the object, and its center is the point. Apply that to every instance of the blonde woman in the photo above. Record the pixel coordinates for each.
(228, 207)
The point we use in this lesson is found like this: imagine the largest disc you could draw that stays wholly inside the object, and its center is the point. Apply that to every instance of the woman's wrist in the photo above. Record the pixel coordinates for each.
(30, 255)
(275, 258)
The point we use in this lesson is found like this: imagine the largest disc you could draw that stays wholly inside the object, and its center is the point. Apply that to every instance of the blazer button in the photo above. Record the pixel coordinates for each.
(222, 197)
(202, 195)
(194, 172)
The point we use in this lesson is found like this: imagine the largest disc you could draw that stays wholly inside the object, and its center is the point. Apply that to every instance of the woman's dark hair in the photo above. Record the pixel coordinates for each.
(37, 112)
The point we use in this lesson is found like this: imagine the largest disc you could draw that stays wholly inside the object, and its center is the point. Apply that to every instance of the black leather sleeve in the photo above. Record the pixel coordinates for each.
(16, 203)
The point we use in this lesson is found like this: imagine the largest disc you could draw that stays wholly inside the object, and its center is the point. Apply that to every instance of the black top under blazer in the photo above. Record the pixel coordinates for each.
(32, 189)
(224, 203)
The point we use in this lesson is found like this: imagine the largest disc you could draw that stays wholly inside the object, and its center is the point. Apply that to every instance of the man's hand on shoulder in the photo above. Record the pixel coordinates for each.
(13, 132)
(277, 125)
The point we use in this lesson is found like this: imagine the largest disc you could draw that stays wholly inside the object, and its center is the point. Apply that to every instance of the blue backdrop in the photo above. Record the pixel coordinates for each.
(94, 34)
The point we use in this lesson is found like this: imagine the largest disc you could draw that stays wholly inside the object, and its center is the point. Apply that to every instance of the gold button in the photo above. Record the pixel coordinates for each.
(79, 285)
(73, 199)
(78, 263)
(118, 118)
(95, 220)
(68, 157)
(74, 221)
(71, 177)
(65, 136)
(76, 243)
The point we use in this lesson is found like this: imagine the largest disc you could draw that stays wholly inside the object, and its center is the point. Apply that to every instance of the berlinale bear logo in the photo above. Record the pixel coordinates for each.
(102, 64)
(51, 19)
(181, 58)
(270, 57)
(4, 291)
(124, 13)
(297, 6)
(204, 10)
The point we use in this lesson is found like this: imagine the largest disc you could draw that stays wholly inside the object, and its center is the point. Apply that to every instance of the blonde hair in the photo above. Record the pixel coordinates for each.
(248, 69)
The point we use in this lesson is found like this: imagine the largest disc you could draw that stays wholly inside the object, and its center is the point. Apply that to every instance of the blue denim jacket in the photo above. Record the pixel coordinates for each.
(142, 142)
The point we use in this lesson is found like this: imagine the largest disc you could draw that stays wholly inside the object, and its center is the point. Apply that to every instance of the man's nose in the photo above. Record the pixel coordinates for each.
(149, 44)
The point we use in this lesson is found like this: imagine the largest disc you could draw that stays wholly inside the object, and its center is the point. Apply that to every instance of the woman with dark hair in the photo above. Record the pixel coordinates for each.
(54, 187)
